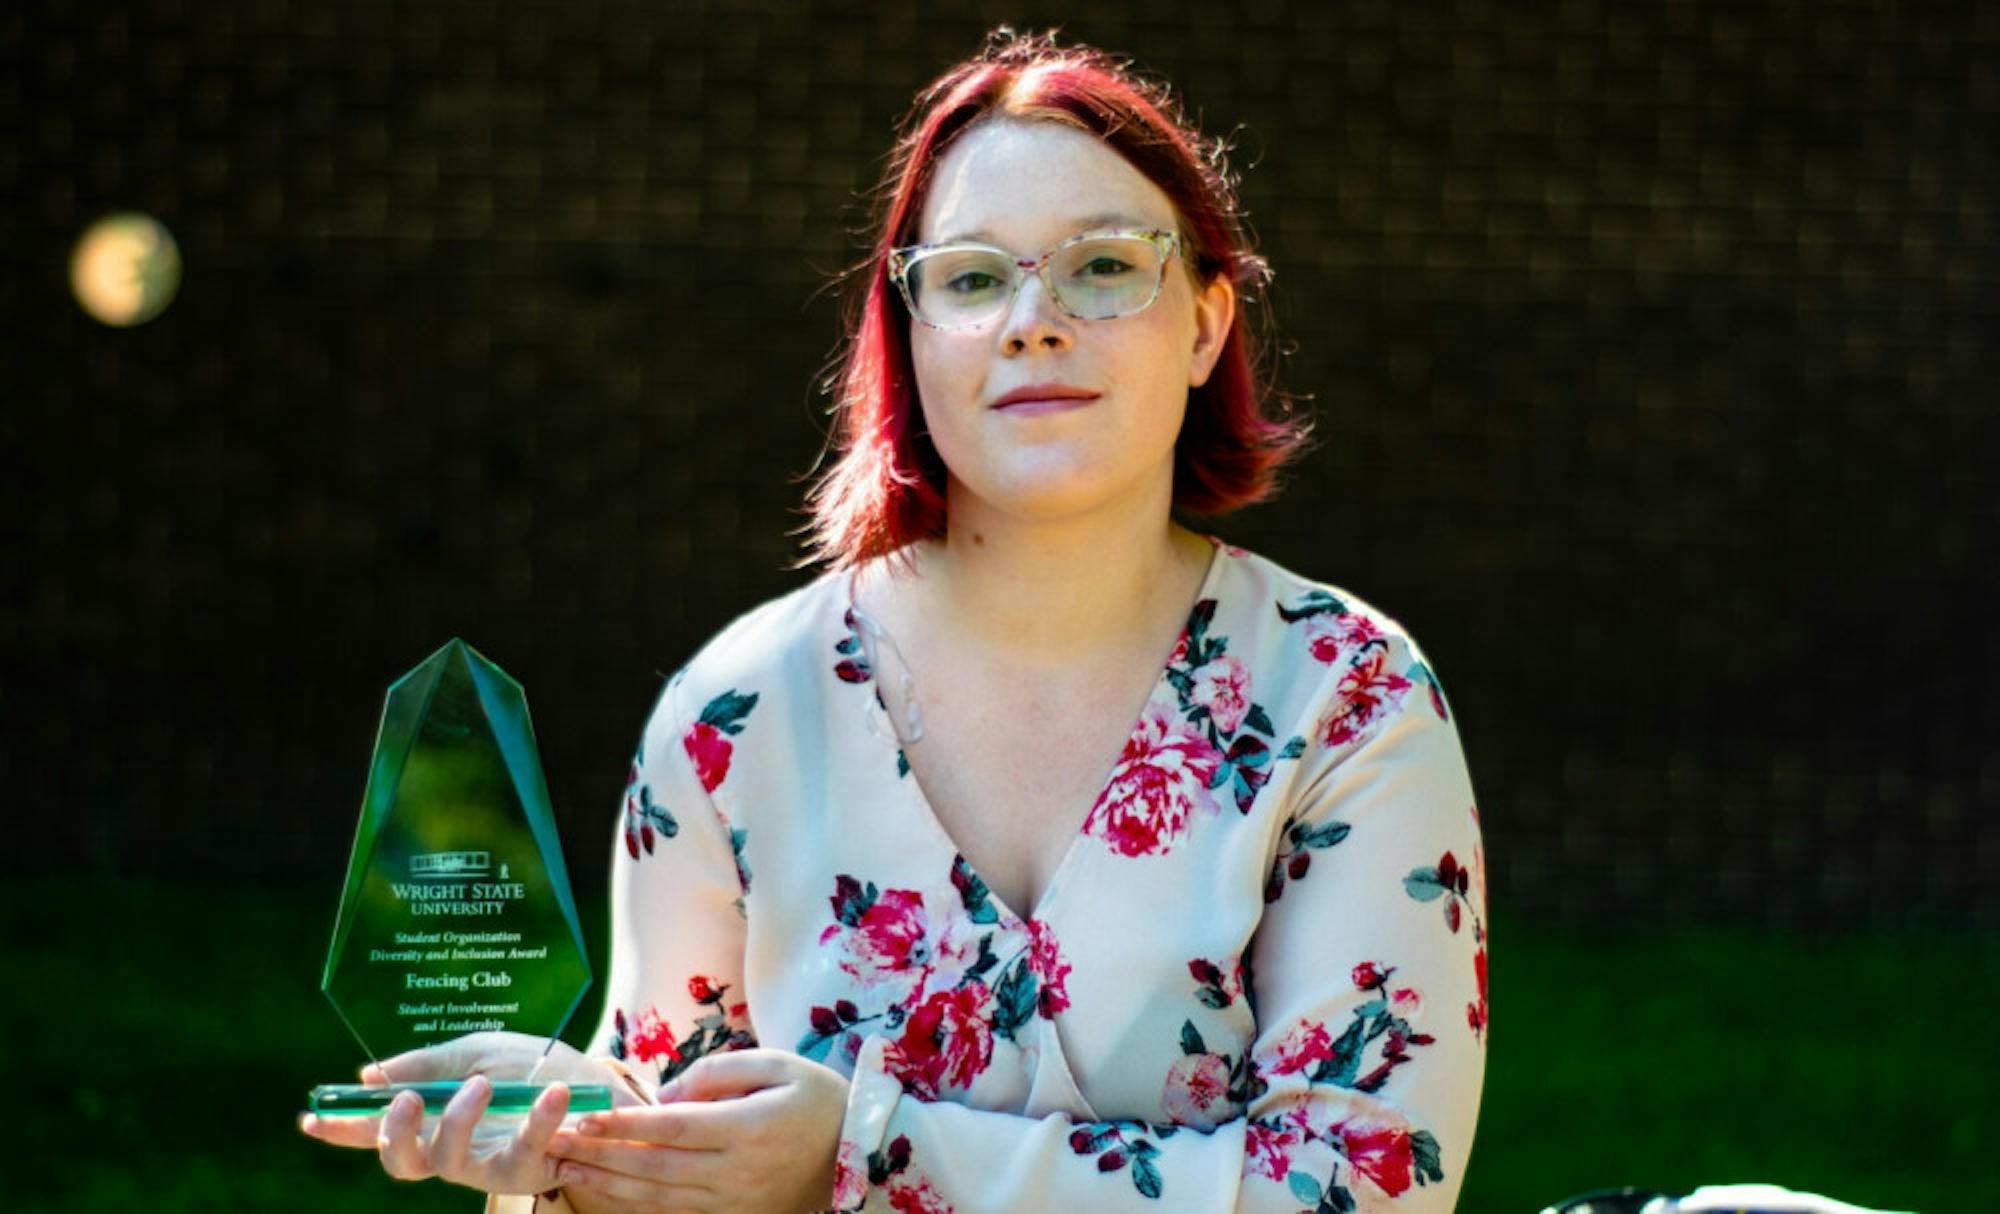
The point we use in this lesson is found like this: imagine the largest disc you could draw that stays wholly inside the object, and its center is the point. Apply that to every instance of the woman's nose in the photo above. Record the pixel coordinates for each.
(1034, 321)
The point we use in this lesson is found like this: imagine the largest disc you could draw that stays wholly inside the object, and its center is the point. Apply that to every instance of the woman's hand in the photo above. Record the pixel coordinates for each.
(748, 1132)
(491, 1163)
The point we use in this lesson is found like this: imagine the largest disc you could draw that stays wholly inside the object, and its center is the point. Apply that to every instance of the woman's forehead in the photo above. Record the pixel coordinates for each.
(1025, 185)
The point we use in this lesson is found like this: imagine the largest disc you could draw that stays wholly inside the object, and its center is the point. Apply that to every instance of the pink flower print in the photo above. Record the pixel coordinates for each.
(1223, 687)
(892, 937)
(1329, 634)
(710, 751)
(1267, 1150)
(850, 1176)
(1365, 694)
(1212, 986)
(946, 1042)
(916, 1197)
(1179, 655)
(707, 740)
(637, 829)
(1160, 783)
(1370, 975)
(1300, 1115)
(1045, 961)
(1379, 1151)
(1305, 1046)
(1197, 1090)
(1407, 1003)
(1475, 1013)
(651, 1038)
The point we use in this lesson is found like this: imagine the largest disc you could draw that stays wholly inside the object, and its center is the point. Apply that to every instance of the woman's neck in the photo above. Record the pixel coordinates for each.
(1055, 593)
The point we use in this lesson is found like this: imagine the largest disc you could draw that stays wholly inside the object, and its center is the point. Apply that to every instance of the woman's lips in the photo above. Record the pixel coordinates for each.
(1043, 398)
(1055, 405)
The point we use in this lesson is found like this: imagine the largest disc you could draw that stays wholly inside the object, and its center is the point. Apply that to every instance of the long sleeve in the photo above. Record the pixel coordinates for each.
(1365, 978)
(674, 992)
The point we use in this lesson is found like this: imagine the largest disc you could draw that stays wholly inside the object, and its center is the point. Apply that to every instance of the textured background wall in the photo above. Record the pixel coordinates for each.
(1651, 347)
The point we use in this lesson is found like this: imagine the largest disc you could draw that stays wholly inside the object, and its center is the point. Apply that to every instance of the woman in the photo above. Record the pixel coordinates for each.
(886, 932)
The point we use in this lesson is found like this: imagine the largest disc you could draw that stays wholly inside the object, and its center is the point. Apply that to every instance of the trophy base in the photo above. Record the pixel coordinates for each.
(362, 1100)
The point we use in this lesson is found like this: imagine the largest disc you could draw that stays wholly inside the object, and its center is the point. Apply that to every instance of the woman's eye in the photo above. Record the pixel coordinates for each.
(971, 282)
(1104, 266)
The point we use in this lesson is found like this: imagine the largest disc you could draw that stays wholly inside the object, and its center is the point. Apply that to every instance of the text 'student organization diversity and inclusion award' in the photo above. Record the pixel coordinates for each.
(457, 916)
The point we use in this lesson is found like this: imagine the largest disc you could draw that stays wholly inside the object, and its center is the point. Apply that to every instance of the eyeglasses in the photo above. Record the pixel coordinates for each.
(1092, 276)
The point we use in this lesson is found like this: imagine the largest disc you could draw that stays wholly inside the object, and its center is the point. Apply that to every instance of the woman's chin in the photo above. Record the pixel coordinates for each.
(1048, 498)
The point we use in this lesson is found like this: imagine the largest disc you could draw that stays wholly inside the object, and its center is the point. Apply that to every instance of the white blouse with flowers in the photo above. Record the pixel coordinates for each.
(1256, 981)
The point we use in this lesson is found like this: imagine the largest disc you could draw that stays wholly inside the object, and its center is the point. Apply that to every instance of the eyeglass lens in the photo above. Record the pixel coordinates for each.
(1092, 279)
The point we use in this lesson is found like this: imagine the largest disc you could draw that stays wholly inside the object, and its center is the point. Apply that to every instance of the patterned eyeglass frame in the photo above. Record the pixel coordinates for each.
(902, 260)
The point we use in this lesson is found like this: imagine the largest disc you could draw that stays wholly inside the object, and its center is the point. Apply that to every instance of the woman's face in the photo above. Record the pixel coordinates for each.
(1024, 187)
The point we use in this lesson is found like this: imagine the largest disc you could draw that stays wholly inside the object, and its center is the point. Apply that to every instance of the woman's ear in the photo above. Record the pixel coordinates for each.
(1214, 313)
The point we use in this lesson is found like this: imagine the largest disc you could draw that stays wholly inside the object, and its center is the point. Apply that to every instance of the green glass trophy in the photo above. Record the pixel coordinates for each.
(457, 916)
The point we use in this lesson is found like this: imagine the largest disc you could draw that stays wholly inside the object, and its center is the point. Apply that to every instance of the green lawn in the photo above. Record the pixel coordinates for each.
(161, 1039)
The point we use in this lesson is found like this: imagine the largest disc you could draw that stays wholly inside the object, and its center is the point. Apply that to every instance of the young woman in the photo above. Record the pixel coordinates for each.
(1042, 854)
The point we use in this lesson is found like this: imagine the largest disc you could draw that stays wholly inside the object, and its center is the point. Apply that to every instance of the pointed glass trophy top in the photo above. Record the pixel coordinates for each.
(457, 915)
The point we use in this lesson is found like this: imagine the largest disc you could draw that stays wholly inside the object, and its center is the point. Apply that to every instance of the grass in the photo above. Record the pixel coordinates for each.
(161, 1039)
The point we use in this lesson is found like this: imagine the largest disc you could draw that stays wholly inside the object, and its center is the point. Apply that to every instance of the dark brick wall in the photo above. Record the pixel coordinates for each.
(1650, 345)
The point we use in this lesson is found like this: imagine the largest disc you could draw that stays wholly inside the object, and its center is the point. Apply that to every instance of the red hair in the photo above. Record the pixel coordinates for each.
(885, 489)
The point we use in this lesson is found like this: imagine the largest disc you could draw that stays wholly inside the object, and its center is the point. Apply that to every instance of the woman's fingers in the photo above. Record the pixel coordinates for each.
(676, 1167)
(690, 1125)
(655, 1165)
(349, 1130)
(341, 1131)
(630, 1189)
(544, 1119)
(523, 1164)
(451, 1142)
(398, 1141)
(720, 1076)
(454, 1149)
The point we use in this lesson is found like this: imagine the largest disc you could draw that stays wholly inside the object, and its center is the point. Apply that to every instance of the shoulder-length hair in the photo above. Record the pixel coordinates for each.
(886, 485)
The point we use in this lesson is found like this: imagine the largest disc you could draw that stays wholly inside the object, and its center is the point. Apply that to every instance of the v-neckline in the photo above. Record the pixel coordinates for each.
(884, 729)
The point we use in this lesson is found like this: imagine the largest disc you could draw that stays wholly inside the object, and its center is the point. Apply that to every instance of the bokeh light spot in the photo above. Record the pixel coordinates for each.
(125, 269)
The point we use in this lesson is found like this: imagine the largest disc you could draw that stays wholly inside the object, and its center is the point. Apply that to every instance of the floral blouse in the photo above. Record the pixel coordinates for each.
(1256, 981)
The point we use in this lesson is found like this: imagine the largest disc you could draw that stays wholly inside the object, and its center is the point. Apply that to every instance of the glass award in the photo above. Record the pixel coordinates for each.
(457, 915)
